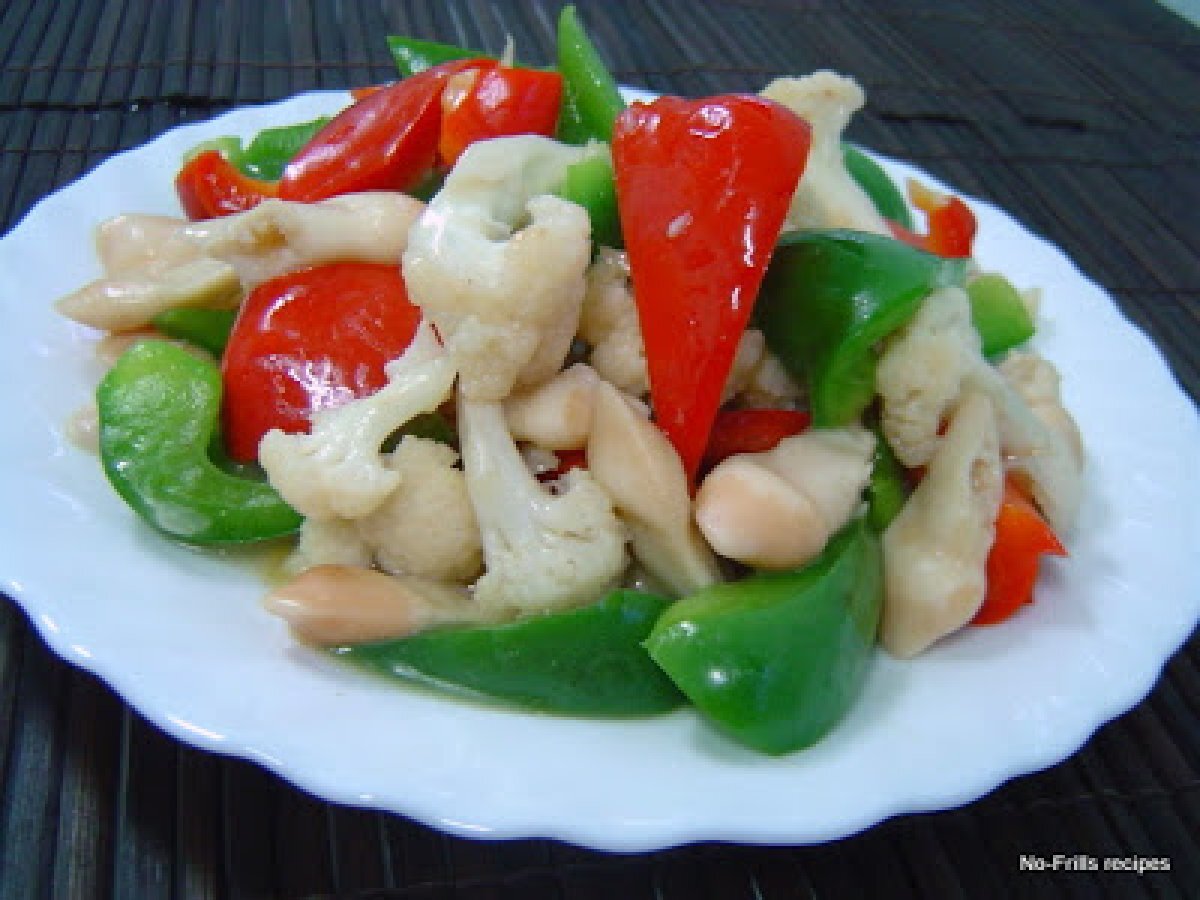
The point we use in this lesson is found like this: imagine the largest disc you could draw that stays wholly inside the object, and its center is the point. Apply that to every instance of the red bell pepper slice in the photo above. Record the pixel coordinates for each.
(386, 141)
(702, 188)
(309, 340)
(950, 223)
(1022, 536)
(491, 100)
(737, 431)
(210, 186)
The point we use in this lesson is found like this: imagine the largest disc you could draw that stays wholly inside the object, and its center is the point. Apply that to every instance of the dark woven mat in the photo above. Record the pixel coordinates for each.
(1081, 118)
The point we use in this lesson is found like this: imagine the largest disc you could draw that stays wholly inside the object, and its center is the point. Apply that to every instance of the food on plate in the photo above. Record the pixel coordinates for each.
(583, 407)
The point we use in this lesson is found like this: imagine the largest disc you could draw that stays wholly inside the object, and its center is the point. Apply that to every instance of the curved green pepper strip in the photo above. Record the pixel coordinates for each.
(413, 55)
(590, 183)
(888, 490)
(586, 661)
(878, 186)
(776, 659)
(827, 300)
(999, 314)
(206, 328)
(594, 98)
(158, 409)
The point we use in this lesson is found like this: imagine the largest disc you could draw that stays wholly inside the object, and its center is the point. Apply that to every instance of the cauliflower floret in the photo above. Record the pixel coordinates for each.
(924, 371)
(426, 526)
(920, 374)
(609, 323)
(827, 196)
(1042, 456)
(935, 550)
(543, 551)
(777, 509)
(327, 542)
(636, 464)
(769, 386)
(1039, 384)
(498, 265)
(338, 471)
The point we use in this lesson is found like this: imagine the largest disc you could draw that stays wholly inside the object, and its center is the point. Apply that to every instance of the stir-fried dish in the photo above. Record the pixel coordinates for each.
(582, 406)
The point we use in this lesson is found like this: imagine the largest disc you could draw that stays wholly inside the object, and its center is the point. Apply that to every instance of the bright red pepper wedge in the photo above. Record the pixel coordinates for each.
(702, 189)
(1022, 536)
(949, 221)
(490, 100)
(386, 141)
(210, 186)
(737, 431)
(310, 340)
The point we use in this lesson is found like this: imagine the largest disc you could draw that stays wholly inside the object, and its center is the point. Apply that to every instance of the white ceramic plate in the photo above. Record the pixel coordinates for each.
(181, 636)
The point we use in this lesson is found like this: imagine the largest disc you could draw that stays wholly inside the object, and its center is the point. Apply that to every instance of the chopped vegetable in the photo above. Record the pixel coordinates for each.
(207, 328)
(872, 178)
(702, 186)
(338, 471)
(413, 55)
(158, 409)
(827, 196)
(889, 487)
(209, 186)
(387, 141)
(309, 341)
(592, 99)
(497, 264)
(269, 152)
(998, 313)
(1022, 536)
(829, 297)
(950, 223)
(586, 661)
(489, 100)
(543, 550)
(776, 659)
(590, 183)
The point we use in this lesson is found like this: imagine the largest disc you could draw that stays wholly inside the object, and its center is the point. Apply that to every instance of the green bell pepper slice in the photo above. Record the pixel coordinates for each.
(829, 297)
(888, 489)
(206, 328)
(268, 152)
(776, 660)
(592, 98)
(266, 156)
(999, 314)
(158, 409)
(590, 183)
(587, 661)
(883, 192)
(413, 55)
